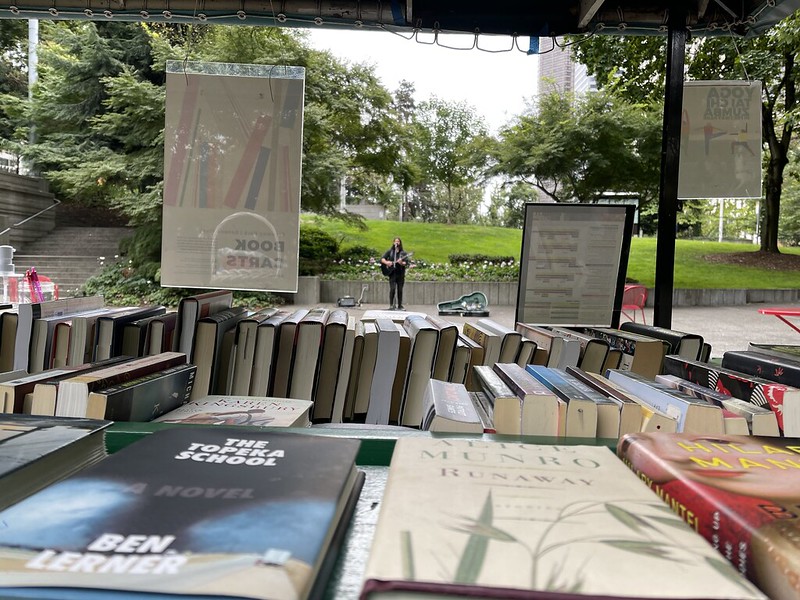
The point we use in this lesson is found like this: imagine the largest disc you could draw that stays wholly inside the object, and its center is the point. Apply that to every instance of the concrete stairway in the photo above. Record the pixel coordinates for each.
(69, 255)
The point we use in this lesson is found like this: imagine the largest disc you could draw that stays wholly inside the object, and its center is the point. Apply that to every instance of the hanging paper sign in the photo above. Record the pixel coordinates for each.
(720, 140)
(232, 167)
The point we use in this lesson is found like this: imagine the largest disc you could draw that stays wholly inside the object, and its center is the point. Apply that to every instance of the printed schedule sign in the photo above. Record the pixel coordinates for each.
(720, 140)
(232, 166)
(573, 265)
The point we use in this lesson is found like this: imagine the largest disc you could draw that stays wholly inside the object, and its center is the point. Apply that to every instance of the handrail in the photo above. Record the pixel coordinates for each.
(56, 202)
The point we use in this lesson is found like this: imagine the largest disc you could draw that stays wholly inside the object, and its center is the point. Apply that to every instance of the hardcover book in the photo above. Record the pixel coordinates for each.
(73, 395)
(260, 411)
(760, 420)
(782, 399)
(693, 414)
(581, 409)
(780, 350)
(244, 347)
(208, 346)
(329, 365)
(307, 353)
(263, 361)
(18, 392)
(449, 408)
(594, 351)
(445, 350)
(471, 518)
(193, 308)
(284, 353)
(509, 348)
(383, 376)
(640, 353)
(631, 415)
(229, 512)
(688, 345)
(542, 411)
(37, 451)
(424, 341)
(739, 492)
(27, 313)
(147, 397)
(109, 328)
(490, 340)
(343, 377)
(505, 405)
(780, 369)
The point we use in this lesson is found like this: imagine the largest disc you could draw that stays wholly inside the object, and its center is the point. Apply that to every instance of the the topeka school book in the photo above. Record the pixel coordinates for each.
(190, 512)
(739, 492)
(36, 451)
(482, 519)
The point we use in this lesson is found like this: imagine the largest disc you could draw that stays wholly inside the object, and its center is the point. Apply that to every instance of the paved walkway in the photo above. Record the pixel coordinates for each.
(724, 327)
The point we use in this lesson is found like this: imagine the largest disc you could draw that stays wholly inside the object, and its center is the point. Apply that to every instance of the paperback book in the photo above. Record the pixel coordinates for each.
(229, 512)
(37, 451)
(242, 410)
(481, 519)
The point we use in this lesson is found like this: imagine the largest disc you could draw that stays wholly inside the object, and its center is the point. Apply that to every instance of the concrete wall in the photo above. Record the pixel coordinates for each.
(315, 291)
(20, 198)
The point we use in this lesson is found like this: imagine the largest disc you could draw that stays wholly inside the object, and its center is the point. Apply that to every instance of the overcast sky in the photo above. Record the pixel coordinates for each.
(496, 84)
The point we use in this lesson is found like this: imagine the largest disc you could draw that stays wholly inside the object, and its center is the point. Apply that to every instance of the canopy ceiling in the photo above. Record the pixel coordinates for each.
(533, 18)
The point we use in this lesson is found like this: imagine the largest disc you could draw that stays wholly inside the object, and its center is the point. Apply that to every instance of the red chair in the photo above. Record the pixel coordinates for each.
(634, 298)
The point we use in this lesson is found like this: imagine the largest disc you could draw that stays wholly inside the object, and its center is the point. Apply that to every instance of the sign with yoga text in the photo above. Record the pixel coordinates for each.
(720, 140)
(232, 165)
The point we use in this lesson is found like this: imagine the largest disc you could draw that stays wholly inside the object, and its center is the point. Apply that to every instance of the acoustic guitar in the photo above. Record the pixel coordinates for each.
(388, 269)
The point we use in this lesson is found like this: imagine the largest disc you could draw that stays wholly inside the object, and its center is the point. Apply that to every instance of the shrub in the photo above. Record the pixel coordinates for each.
(317, 248)
(460, 259)
(354, 253)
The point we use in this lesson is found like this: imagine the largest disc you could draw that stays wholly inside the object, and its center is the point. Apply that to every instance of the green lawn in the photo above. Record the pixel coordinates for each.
(434, 242)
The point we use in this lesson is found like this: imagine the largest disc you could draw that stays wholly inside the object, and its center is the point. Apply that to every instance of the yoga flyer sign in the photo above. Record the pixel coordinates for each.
(232, 167)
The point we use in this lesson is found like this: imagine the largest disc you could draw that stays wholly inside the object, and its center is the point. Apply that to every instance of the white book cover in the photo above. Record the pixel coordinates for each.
(232, 172)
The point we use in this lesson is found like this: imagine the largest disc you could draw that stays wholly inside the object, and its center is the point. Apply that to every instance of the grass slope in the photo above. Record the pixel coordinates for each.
(697, 263)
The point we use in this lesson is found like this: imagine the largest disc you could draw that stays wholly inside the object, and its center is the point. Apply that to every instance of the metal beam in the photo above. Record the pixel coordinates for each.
(670, 153)
(587, 11)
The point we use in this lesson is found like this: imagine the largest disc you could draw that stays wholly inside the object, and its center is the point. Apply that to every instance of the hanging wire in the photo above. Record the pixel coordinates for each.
(741, 58)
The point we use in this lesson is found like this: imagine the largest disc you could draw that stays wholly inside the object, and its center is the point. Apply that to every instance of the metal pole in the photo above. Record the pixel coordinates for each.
(670, 153)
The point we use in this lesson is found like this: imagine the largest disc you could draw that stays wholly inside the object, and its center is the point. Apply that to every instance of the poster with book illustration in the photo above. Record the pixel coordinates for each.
(232, 168)
(573, 264)
(720, 140)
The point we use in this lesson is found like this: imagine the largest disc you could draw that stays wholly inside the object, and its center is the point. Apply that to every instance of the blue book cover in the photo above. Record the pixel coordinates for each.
(187, 512)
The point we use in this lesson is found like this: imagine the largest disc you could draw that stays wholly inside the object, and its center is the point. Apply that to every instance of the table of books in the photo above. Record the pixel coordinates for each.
(374, 456)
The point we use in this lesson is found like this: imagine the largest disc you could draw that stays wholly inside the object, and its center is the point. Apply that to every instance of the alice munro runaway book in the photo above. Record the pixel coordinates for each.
(184, 513)
(487, 519)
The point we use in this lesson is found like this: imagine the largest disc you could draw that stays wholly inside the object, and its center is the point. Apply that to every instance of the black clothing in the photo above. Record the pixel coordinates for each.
(397, 276)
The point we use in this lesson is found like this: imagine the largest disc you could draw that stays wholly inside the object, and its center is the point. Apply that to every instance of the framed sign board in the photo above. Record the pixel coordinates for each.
(573, 264)
(232, 169)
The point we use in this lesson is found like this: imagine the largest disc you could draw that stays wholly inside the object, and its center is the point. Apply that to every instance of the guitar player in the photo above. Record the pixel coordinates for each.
(393, 265)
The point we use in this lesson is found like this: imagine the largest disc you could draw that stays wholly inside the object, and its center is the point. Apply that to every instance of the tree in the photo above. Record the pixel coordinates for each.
(580, 148)
(13, 77)
(634, 67)
(507, 205)
(450, 151)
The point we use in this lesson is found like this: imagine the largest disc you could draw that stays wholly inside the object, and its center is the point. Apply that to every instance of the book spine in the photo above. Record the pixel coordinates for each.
(762, 365)
(737, 386)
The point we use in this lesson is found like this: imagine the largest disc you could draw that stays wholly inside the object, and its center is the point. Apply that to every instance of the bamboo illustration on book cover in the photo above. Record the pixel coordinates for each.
(462, 514)
(232, 170)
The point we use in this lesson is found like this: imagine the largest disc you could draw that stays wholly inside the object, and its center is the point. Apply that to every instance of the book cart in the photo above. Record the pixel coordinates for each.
(377, 445)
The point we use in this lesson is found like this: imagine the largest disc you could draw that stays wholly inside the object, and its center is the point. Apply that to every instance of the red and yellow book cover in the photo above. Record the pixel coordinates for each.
(741, 493)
